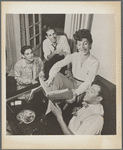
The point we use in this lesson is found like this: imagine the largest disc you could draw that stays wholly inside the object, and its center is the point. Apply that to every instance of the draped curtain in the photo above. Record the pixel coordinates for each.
(10, 43)
(75, 22)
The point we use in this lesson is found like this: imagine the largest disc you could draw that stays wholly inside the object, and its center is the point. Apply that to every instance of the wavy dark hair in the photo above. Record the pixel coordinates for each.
(104, 90)
(24, 48)
(84, 33)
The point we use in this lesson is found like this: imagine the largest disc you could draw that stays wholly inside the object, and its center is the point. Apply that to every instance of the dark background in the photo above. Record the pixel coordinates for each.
(55, 20)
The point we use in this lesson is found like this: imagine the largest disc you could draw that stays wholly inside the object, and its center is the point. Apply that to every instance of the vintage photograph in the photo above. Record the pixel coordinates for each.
(60, 50)
(60, 74)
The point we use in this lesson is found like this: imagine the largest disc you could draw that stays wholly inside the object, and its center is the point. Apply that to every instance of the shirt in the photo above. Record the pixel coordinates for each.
(85, 72)
(89, 121)
(62, 44)
(24, 73)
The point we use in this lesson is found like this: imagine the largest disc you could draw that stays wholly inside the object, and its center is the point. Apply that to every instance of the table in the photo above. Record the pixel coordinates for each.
(39, 105)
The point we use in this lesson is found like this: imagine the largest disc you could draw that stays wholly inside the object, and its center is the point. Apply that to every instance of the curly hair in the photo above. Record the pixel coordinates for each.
(84, 33)
(24, 48)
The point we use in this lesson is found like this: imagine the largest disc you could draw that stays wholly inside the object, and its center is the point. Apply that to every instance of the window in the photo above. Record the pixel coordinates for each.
(33, 31)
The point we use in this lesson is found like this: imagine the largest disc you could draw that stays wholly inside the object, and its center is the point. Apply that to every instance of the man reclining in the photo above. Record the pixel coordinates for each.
(88, 120)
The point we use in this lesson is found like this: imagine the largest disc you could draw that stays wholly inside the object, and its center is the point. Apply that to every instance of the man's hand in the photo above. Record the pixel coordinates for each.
(56, 110)
(34, 81)
(68, 73)
(75, 110)
(29, 97)
(74, 97)
(42, 75)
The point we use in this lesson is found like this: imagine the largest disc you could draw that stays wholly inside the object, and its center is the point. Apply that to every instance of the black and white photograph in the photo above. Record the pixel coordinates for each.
(61, 76)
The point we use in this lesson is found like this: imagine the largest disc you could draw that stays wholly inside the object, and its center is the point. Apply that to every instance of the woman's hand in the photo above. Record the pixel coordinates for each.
(34, 81)
(56, 109)
(49, 82)
(74, 97)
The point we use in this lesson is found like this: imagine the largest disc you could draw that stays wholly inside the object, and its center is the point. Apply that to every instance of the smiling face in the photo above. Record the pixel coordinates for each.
(84, 46)
(28, 55)
(92, 94)
(51, 35)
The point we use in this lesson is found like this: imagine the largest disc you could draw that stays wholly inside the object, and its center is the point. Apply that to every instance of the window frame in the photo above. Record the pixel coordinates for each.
(34, 35)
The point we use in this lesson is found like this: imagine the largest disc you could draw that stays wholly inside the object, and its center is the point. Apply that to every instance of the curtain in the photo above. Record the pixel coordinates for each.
(75, 22)
(22, 30)
(10, 43)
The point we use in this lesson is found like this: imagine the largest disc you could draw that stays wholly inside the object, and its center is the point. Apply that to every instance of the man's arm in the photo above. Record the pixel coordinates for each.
(50, 56)
(18, 76)
(67, 47)
(57, 112)
(47, 51)
(91, 126)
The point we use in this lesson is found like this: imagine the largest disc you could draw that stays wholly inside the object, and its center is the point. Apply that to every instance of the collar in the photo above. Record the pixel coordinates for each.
(24, 64)
(94, 108)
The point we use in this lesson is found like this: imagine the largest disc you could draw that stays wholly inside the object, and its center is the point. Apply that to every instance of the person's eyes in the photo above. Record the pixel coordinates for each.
(92, 91)
(85, 43)
(79, 44)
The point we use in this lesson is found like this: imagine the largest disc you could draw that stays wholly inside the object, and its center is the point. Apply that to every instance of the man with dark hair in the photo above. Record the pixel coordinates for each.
(87, 120)
(55, 48)
(84, 67)
(27, 69)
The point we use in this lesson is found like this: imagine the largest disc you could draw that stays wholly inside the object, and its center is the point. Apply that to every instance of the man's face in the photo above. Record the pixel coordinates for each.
(84, 46)
(51, 35)
(92, 94)
(28, 55)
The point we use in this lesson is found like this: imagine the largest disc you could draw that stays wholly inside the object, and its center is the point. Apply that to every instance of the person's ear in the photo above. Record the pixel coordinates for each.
(46, 37)
(99, 98)
(23, 56)
(90, 46)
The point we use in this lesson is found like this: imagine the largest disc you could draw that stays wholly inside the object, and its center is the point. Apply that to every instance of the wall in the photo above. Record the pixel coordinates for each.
(55, 20)
(103, 32)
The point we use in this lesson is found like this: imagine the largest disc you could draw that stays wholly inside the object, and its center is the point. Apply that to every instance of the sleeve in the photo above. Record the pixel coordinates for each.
(18, 75)
(67, 47)
(41, 64)
(89, 79)
(46, 49)
(57, 66)
(40, 67)
(91, 126)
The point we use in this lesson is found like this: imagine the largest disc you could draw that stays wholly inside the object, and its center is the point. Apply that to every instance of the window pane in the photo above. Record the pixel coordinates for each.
(31, 32)
(37, 40)
(36, 18)
(30, 16)
(37, 28)
(32, 43)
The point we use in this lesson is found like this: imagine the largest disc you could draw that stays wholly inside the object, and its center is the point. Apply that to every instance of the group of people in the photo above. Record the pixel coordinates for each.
(86, 120)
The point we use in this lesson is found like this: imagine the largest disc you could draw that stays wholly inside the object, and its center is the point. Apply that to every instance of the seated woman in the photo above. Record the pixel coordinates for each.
(27, 69)
(84, 67)
(55, 48)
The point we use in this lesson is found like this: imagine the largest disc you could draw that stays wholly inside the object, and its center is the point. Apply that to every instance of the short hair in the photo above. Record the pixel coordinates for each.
(24, 48)
(45, 29)
(84, 33)
(104, 91)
